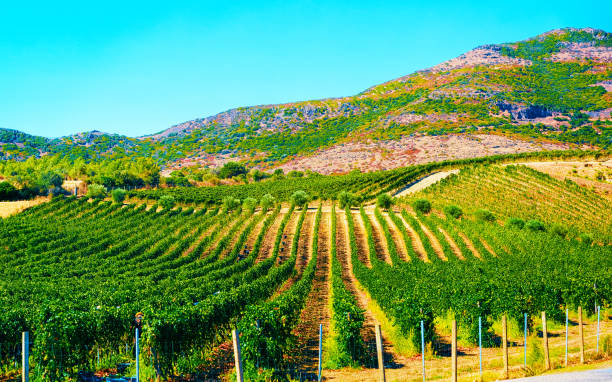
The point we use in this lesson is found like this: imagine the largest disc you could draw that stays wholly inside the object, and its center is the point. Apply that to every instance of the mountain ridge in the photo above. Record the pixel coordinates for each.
(554, 87)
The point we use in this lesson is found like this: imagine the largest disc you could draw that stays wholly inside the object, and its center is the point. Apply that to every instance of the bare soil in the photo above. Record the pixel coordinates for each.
(316, 311)
(10, 208)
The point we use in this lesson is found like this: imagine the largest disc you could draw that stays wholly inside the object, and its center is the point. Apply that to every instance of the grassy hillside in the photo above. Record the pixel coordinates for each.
(552, 87)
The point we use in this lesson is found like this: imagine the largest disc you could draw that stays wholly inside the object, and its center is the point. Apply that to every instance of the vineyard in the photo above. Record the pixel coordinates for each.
(492, 240)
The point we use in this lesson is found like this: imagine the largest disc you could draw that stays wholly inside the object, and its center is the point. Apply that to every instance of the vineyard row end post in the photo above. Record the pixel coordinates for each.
(505, 344)
(137, 354)
(454, 352)
(598, 313)
(25, 357)
(545, 341)
(566, 333)
(320, 350)
(423, 348)
(379, 350)
(480, 346)
(237, 356)
(525, 343)
(580, 334)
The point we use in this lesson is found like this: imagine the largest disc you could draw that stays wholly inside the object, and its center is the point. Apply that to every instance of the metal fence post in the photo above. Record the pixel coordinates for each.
(423, 347)
(480, 345)
(25, 357)
(581, 334)
(137, 355)
(525, 337)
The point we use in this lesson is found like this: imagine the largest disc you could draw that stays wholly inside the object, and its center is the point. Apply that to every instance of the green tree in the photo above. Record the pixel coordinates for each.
(167, 201)
(248, 205)
(96, 191)
(453, 212)
(7, 191)
(422, 205)
(266, 202)
(230, 203)
(300, 198)
(231, 169)
(384, 201)
(118, 195)
(50, 179)
(346, 200)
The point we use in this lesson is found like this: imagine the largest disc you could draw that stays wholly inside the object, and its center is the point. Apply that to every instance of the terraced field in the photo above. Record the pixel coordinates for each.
(77, 271)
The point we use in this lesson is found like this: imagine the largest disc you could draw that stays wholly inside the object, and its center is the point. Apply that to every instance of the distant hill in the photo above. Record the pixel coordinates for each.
(551, 91)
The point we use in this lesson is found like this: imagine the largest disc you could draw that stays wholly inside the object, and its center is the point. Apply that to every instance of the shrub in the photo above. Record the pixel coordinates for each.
(118, 195)
(422, 205)
(453, 212)
(606, 343)
(230, 203)
(266, 202)
(96, 191)
(167, 202)
(517, 223)
(231, 169)
(586, 239)
(248, 205)
(8, 191)
(559, 230)
(50, 179)
(299, 198)
(485, 215)
(295, 174)
(384, 201)
(346, 200)
(535, 225)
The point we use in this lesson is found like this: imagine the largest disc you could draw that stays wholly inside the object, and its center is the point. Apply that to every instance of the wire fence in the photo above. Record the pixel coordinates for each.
(93, 363)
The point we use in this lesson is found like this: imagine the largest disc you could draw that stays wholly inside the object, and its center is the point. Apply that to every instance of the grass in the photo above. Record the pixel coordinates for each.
(401, 344)
(10, 208)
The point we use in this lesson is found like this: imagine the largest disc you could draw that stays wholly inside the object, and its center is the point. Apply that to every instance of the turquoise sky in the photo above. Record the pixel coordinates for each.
(136, 68)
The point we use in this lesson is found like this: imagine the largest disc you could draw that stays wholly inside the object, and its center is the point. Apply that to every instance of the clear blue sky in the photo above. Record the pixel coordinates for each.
(138, 68)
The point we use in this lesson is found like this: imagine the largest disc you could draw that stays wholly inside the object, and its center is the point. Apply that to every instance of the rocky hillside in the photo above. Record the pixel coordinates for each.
(550, 91)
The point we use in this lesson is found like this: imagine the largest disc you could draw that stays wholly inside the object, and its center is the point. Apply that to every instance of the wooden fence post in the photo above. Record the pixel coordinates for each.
(320, 350)
(505, 344)
(454, 352)
(545, 342)
(379, 349)
(237, 356)
(25, 357)
(580, 334)
(566, 333)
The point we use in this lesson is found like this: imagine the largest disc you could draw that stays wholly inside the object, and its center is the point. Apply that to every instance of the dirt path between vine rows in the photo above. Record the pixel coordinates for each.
(417, 244)
(267, 245)
(392, 359)
(397, 237)
(207, 232)
(380, 240)
(362, 241)
(232, 242)
(452, 244)
(303, 250)
(316, 310)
